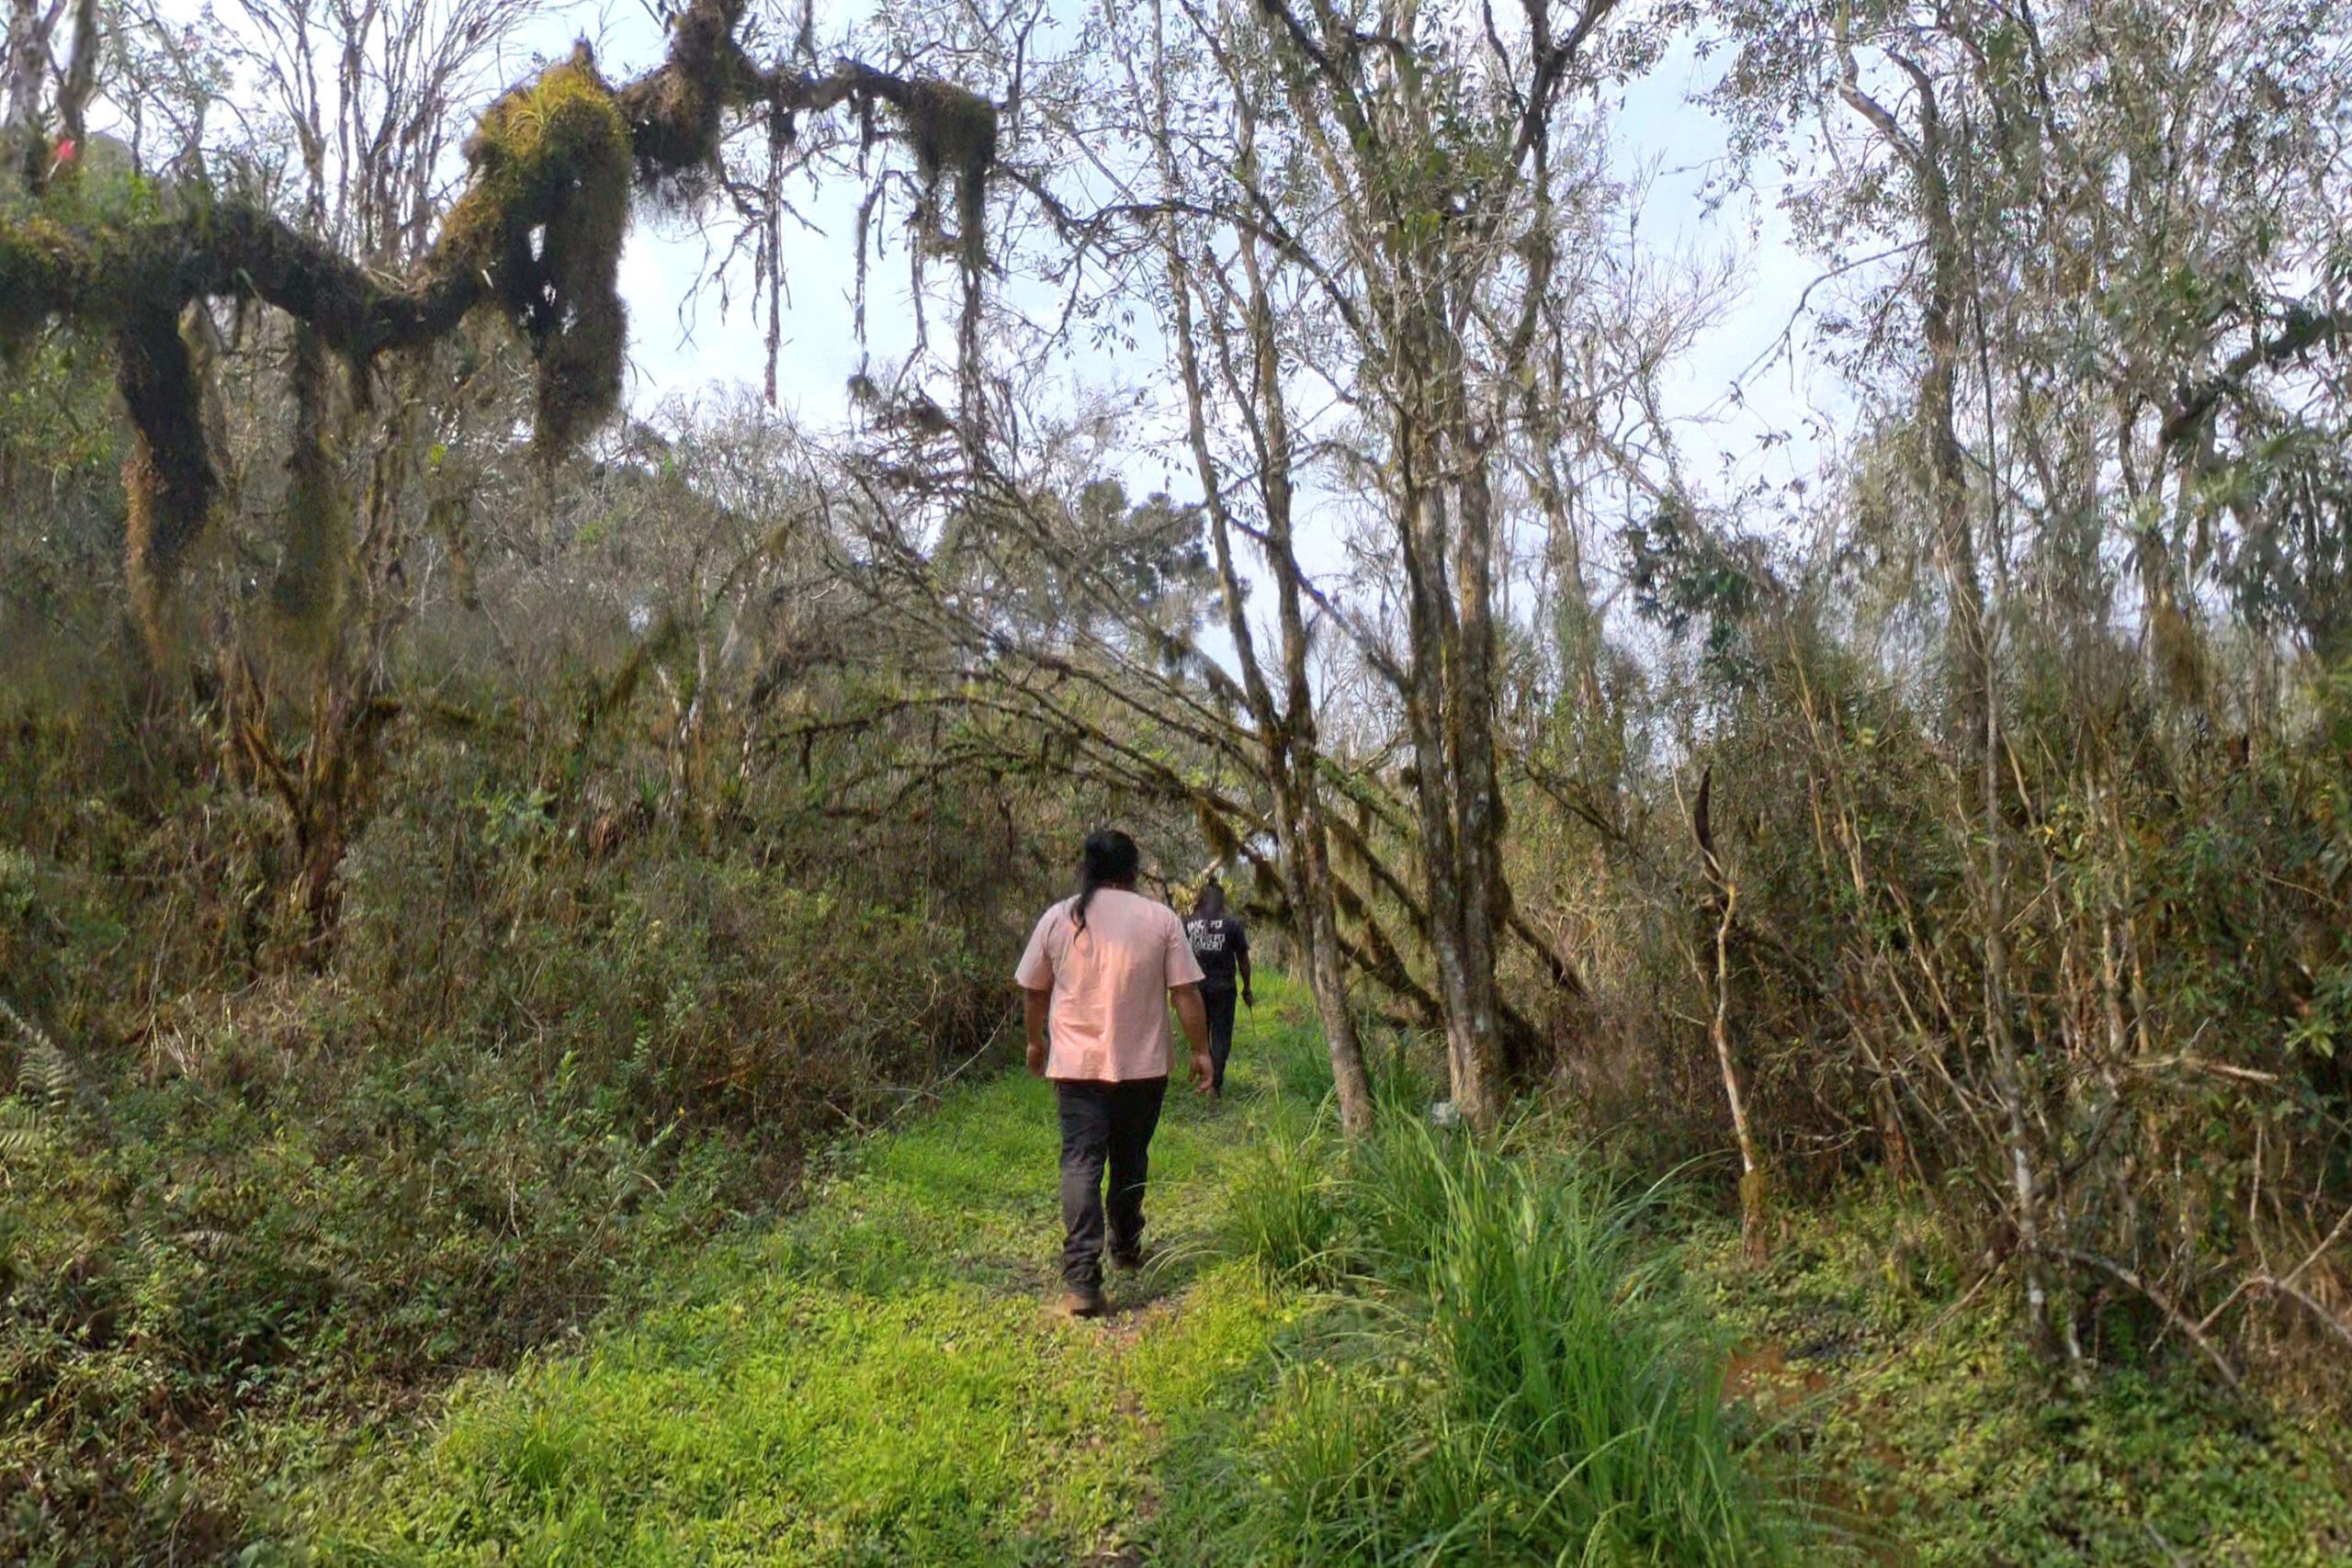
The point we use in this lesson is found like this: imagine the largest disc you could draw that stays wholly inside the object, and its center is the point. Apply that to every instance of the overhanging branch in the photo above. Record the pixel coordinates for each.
(536, 233)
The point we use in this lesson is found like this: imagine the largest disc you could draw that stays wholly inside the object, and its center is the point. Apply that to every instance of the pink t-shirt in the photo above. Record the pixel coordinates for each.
(1110, 982)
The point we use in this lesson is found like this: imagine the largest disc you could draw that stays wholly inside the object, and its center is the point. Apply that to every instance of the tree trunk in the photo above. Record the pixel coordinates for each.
(1978, 719)
(1328, 973)
(1479, 811)
(21, 142)
(1755, 1185)
(1446, 539)
(1307, 844)
(1285, 729)
(1468, 1047)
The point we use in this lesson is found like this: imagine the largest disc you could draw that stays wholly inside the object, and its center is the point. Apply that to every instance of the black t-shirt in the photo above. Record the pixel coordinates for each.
(1217, 944)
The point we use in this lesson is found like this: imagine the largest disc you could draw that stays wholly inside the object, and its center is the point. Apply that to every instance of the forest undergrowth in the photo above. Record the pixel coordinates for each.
(247, 1192)
(466, 844)
(1416, 1348)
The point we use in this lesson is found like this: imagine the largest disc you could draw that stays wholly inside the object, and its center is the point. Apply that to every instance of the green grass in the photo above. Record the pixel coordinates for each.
(1409, 1351)
(1938, 1441)
(1417, 1352)
(880, 1380)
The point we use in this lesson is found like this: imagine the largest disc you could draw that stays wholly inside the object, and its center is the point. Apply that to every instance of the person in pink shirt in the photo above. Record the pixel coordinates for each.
(1097, 980)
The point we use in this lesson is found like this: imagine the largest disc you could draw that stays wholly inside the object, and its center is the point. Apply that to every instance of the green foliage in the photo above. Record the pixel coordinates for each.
(45, 1089)
(1939, 1438)
(300, 1225)
(1686, 579)
(53, 428)
(1499, 1379)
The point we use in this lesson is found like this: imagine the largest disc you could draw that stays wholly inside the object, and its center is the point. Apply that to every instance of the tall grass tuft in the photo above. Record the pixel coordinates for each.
(1285, 1217)
(1517, 1388)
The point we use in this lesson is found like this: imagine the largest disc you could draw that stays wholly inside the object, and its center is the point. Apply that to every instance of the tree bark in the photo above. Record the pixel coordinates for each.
(1755, 1185)
(1284, 727)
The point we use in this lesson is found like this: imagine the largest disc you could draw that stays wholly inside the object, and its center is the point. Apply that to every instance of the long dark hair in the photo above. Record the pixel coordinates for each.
(1110, 859)
(1211, 903)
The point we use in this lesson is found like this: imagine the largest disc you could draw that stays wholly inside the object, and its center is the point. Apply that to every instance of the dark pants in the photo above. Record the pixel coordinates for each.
(1220, 1007)
(1103, 1123)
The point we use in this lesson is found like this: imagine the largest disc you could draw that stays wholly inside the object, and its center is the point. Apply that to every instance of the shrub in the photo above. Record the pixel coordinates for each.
(244, 1200)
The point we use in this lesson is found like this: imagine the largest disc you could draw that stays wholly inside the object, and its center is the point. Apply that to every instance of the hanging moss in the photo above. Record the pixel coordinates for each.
(537, 235)
(674, 112)
(951, 133)
(1270, 892)
(1215, 829)
(542, 221)
(315, 566)
(168, 480)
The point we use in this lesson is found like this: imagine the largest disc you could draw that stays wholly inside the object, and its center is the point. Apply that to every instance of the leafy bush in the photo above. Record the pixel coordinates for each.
(2122, 975)
(247, 1200)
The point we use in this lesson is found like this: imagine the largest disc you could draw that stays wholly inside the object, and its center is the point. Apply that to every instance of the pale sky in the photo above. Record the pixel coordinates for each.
(690, 344)
(686, 346)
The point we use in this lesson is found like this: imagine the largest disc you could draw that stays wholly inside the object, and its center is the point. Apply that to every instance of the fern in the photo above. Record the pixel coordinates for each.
(208, 1243)
(45, 1073)
(24, 1131)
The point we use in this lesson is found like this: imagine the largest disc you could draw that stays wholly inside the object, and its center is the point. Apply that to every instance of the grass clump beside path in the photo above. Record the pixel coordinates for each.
(1410, 1376)
(1500, 1371)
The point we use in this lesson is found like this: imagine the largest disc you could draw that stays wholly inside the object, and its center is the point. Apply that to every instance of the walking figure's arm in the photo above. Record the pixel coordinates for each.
(1194, 1016)
(1033, 1013)
(1034, 976)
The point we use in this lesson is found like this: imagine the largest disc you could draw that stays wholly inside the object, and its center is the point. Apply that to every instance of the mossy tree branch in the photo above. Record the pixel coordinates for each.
(536, 235)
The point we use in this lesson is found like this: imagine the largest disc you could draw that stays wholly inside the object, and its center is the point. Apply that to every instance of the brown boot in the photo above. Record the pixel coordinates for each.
(1085, 1303)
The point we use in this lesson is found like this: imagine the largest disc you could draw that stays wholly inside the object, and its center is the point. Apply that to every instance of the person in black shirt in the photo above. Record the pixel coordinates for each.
(1222, 948)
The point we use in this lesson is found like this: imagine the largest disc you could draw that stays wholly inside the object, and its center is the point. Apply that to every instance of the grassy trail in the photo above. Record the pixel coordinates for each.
(878, 1380)
(882, 1380)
